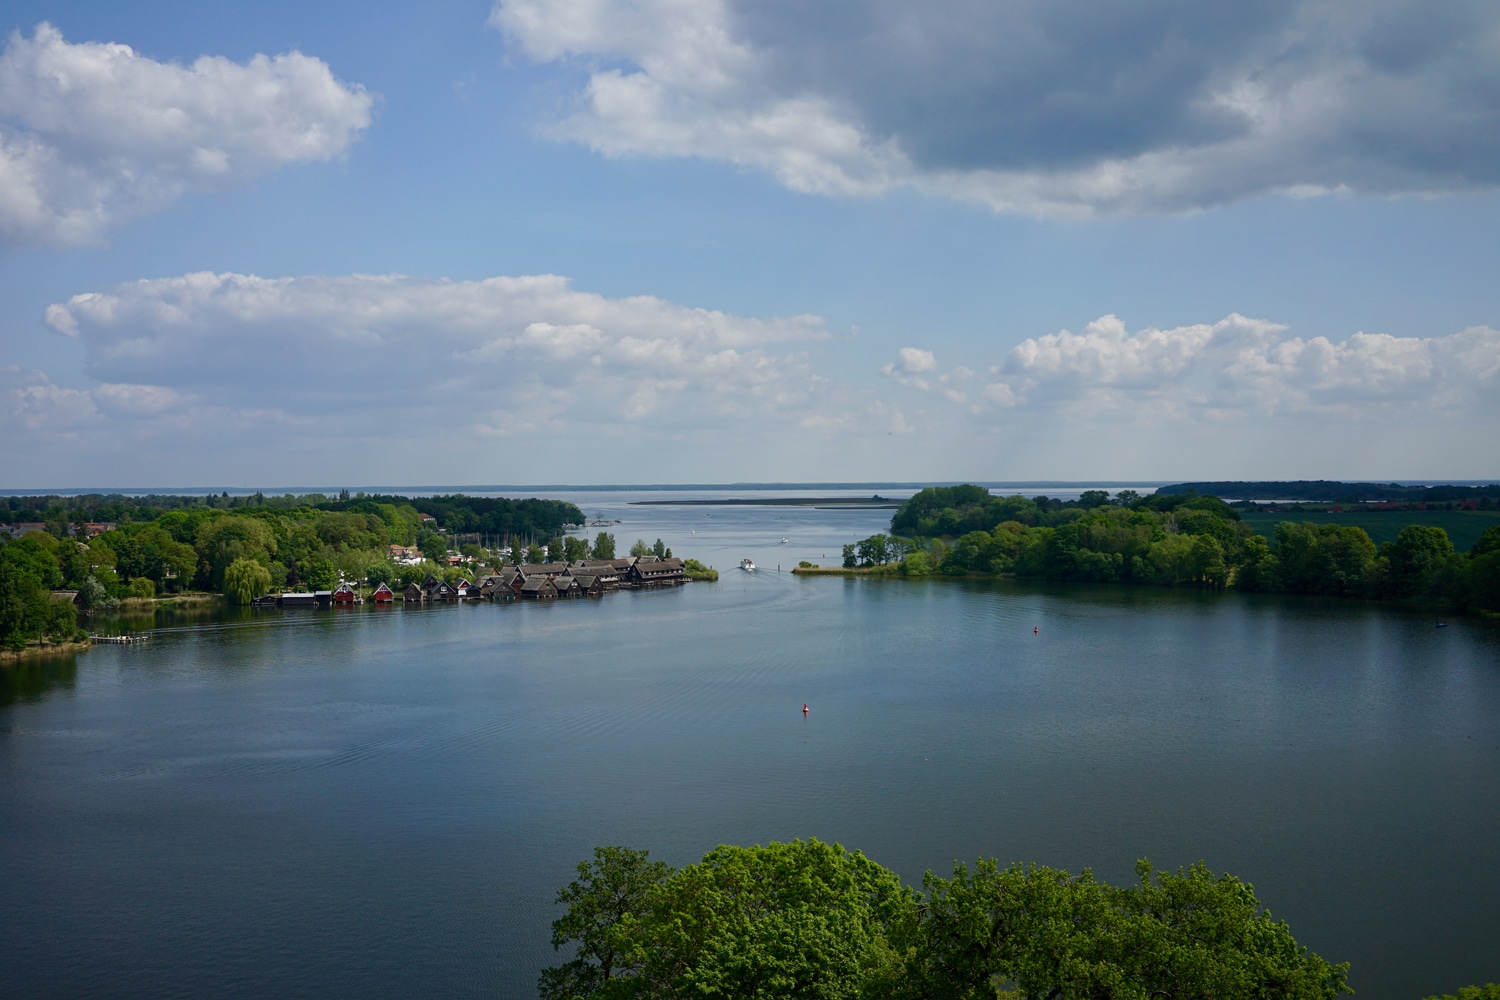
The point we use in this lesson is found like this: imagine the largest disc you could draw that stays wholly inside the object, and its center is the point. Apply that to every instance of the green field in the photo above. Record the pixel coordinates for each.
(1463, 526)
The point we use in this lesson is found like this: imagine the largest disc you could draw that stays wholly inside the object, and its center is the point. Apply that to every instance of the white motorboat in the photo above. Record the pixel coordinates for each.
(747, 564)
(783, 541)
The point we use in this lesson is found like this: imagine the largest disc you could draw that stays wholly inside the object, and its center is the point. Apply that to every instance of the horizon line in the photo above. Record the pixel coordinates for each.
(442, 489)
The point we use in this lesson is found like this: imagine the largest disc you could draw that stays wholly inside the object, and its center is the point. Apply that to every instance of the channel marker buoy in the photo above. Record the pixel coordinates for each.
(804, 708)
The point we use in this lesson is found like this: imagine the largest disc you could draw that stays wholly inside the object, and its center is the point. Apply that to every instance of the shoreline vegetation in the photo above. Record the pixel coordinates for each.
(1183, 539)
(64, 560)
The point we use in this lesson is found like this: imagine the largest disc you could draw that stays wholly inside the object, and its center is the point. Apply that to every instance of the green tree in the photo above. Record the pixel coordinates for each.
(144, 587)
(640, 548)
(1479, 583)
(93, 596)
(1052, 934)
(432, 545)
(224, 540)
(1490, 991)
(604, 545)
(851, 556)
(874, 551)
(916, 564)
(534, 553)
(1324, 558)
(660, 549)
(608, 890)
(245, 580)
(317, 574)
(27, 610)
(803, 919)
(1421, 562)
(575, 549)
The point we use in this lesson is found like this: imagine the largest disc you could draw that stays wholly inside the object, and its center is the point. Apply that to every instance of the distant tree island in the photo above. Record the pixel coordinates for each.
(1180, 538)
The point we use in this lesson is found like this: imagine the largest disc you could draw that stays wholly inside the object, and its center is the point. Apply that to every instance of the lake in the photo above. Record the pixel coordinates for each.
(382, 803)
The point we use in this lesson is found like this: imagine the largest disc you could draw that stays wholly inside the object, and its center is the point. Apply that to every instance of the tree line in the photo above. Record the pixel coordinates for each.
(247, 549)
(811, 920)
(1181, 539)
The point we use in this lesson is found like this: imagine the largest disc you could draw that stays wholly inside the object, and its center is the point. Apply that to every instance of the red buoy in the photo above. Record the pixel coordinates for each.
(804, 708)
(1036, 631)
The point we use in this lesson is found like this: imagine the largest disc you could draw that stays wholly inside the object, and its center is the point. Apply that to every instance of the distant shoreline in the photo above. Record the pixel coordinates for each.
(876, 502)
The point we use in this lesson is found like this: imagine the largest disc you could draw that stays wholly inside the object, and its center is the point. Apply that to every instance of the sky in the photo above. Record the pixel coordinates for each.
(648, 241)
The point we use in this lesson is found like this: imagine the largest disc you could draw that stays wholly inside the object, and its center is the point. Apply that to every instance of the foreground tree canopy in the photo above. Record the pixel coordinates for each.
(812, 920)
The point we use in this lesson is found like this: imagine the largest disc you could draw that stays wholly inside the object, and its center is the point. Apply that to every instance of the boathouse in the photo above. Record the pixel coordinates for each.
(655, 572)
(603, 570)
(414, 594)
(589, 583)
(344, 594)
(382, 595)
(538, 586)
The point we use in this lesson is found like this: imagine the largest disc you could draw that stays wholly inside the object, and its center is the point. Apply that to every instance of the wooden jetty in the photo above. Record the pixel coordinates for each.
(118, 640)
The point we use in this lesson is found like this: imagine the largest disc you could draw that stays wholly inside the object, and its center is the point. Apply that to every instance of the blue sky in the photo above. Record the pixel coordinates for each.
(700, 240)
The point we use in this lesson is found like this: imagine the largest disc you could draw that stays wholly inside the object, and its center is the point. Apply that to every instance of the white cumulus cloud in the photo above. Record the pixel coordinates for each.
(1061, 108)
(1249, 366)
(92, 134)
(497, 356)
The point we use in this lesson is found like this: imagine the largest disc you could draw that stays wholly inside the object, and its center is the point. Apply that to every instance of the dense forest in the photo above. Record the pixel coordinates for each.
(112, 548)
(812, 920)
(1173, 539)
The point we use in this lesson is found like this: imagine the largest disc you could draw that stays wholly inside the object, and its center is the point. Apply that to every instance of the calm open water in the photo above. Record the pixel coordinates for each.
(382, 803)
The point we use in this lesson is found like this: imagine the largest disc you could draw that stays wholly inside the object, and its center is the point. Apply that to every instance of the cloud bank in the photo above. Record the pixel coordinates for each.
(498, 357)
(94, 134)
(1241, 368)
(425, 378)
(1057, 108)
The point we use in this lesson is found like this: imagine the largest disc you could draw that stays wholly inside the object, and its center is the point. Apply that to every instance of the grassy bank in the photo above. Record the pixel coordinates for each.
(193, 600)
(41, 650)
(887, 569)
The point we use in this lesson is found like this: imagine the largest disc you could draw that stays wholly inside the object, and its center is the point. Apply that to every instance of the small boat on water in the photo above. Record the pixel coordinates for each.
(747, 564)
(783, 541)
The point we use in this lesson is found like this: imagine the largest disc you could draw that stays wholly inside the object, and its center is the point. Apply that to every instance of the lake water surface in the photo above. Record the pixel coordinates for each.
(382, 803)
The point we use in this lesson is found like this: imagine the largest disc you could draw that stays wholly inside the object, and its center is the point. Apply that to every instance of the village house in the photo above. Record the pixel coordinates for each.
(405, 555)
